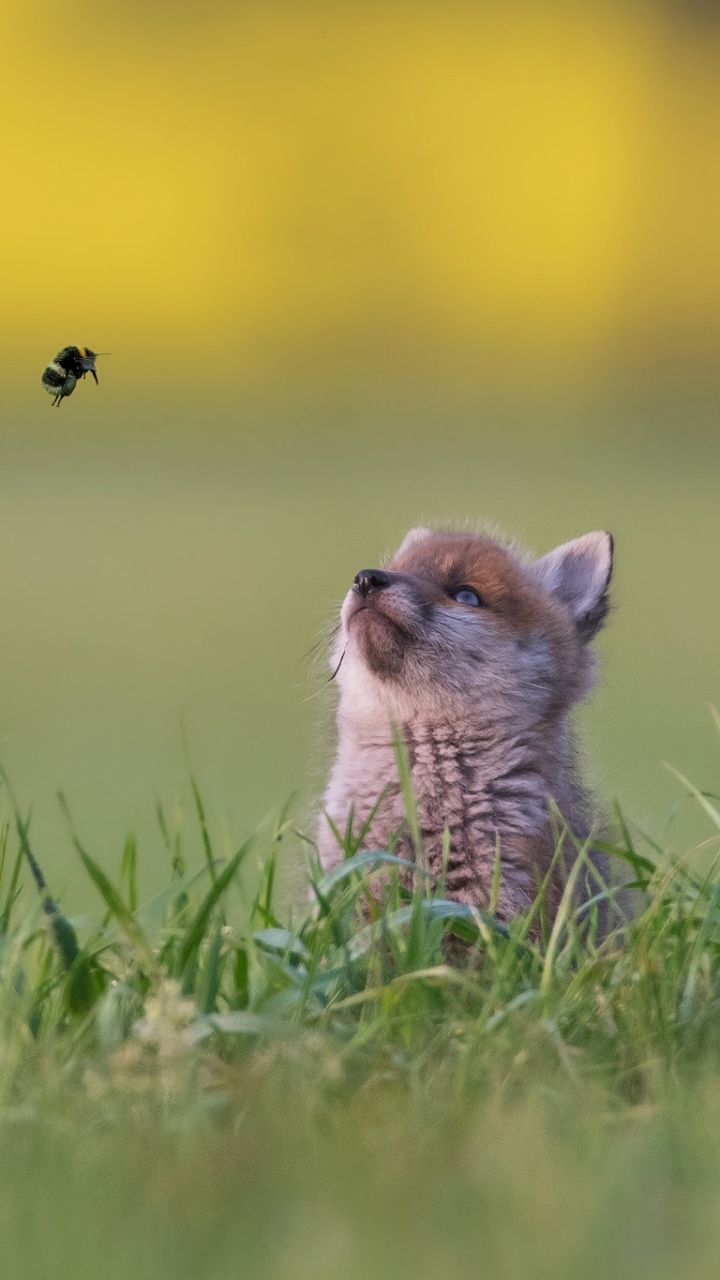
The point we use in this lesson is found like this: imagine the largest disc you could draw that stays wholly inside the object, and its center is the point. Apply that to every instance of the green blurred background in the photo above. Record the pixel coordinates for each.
(358, 265)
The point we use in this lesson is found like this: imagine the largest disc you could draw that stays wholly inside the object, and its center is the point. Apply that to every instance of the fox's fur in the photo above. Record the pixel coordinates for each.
(482, 698)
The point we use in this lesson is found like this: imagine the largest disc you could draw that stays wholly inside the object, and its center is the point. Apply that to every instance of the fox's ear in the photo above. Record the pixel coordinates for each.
(415, 535)
(579, 574)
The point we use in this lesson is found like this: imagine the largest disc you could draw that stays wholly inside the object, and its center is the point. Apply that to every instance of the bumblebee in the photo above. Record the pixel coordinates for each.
(62, 374)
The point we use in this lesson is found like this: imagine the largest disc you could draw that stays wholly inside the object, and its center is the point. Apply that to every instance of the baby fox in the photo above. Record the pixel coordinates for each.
(475, 656)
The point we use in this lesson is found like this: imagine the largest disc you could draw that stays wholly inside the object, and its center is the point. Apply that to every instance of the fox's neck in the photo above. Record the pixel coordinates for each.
(494, 747)
(495, 758)
(481, 786)
(483, 782)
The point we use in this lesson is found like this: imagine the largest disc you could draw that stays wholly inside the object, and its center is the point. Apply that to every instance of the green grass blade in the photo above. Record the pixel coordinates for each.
(128, 872)
(360, 862)
(451, 913)
(154, 911)
(205, 834)
(283, 941)
(12, 893)
(110, 895)
(212, 971)
(496, 877)
(561, 918)
(199, 923)
(63, 934)
(408, 794)
(694, 791)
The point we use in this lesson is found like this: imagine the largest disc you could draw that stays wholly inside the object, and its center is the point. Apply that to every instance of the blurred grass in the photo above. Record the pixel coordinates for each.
(548, 1188)
(152, 578)
(204, 1092)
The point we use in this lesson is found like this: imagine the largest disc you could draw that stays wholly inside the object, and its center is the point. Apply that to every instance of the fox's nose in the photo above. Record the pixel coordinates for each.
(368, 580)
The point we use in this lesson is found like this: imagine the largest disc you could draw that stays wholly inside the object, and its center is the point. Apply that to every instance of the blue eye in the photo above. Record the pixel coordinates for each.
(466, 595)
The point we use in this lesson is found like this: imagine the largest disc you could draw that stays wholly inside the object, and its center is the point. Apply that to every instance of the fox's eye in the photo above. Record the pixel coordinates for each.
(466, 595)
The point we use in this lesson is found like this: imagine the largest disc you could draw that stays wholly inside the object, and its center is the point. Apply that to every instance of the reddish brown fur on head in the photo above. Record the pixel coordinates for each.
(453, 560)
(412, 647)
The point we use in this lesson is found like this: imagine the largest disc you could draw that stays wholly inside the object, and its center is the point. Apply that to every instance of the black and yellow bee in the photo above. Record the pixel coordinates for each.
(62, 374)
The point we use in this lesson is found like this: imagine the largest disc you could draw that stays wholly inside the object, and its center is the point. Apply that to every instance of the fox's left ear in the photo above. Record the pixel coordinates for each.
(579, 574)
(418, 534)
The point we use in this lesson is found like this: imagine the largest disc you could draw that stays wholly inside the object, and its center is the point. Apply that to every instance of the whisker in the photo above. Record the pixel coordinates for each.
(313, 649)
(342, 655)
(317, 692)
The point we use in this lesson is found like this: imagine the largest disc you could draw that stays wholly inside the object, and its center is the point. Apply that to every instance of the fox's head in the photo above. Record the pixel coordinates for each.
(457, 624)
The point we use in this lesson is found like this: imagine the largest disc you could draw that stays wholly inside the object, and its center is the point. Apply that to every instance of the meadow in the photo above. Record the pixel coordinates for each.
(206, 1085)
(202, 1073)
(170, 576)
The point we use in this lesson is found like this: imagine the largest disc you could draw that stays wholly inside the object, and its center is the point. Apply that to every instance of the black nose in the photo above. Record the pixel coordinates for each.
(368, 580)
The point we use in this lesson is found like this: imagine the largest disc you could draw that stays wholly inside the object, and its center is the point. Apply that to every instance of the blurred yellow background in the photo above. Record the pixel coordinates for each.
(237, 189)
(358, 266)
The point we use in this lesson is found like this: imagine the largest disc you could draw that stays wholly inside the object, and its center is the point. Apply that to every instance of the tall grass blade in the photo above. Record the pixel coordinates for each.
(700, 796)
(202, 821)
(109, 894)
(561, 918)
(212, 971)
(199, 922)
(13, 892)
(128, 872)
(408, 795)
(62, 932)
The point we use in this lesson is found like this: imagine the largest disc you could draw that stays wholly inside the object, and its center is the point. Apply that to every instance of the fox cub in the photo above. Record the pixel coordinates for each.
(476, 656)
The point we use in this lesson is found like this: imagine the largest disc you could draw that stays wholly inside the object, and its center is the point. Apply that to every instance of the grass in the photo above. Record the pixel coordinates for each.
(381, 1082)
(200, 1079)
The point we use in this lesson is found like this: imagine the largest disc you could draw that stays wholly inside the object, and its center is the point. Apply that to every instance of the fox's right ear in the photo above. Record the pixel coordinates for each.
(415, 535)
(579, 574)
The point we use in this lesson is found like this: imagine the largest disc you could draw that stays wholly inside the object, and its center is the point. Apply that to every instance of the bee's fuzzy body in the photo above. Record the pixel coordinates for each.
(61, 375)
